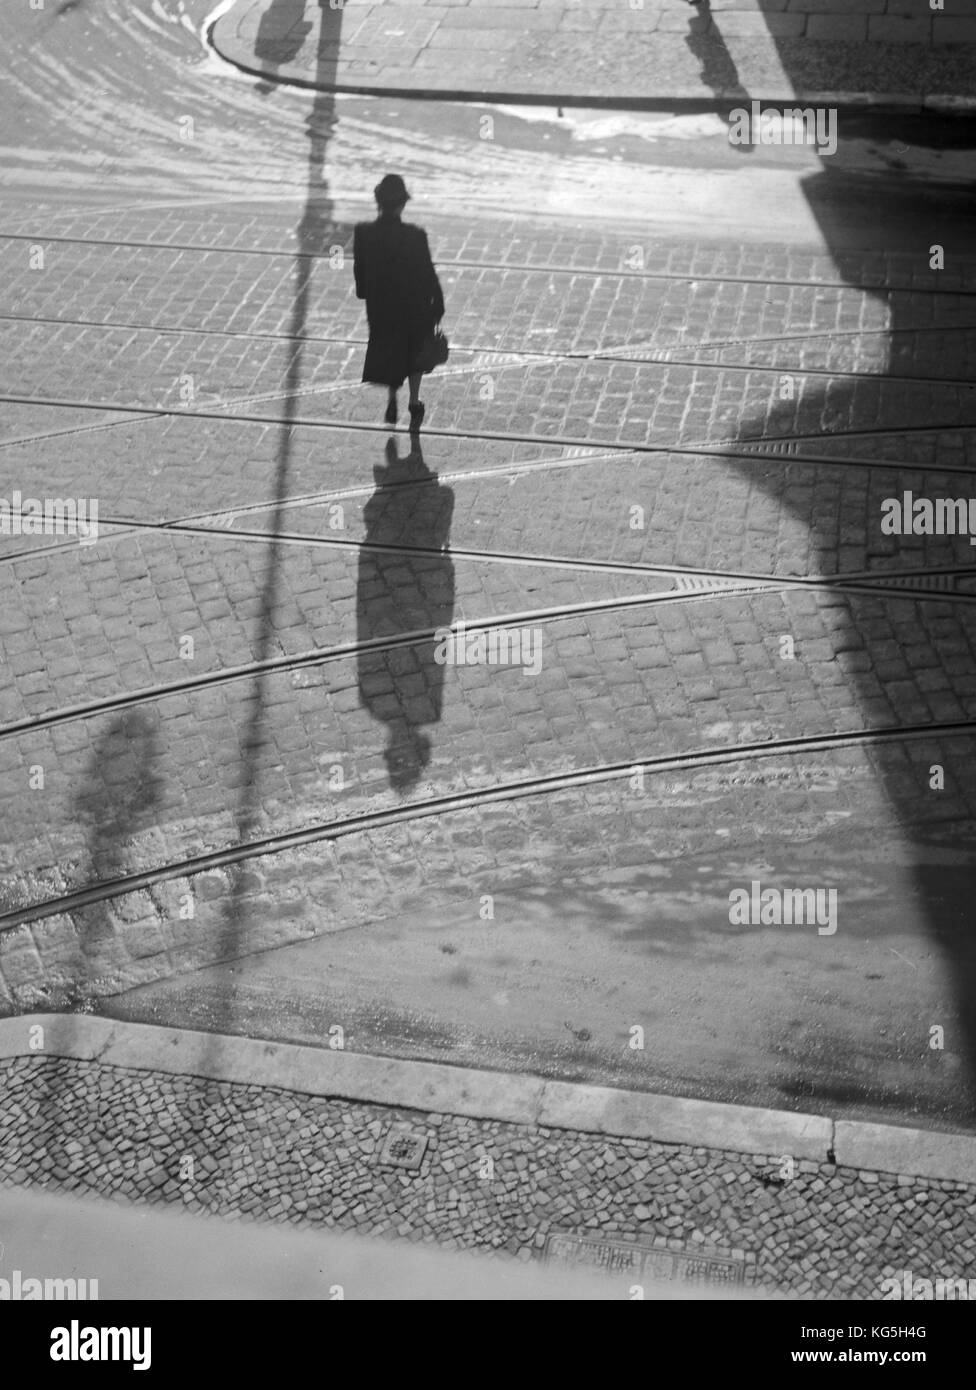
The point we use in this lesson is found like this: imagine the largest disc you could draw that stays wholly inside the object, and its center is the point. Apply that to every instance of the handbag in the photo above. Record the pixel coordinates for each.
(434, 351)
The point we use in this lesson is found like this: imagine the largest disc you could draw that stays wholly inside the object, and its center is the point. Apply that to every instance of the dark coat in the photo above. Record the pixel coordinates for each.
(396, 277)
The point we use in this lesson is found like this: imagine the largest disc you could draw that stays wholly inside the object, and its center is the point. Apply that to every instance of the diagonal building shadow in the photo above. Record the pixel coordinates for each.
(859, 215)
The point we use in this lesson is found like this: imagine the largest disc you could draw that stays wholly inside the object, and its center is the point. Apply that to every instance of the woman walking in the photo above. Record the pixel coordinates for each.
(404, 302)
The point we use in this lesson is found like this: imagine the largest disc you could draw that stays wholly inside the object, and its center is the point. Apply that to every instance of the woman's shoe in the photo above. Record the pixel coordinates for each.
(391, 413)
(416, 415)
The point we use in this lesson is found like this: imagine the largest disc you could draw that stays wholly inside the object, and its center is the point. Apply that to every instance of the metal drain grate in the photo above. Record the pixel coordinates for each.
(699, 583)
(659, 1259)
(945, 582)
(404, 1148)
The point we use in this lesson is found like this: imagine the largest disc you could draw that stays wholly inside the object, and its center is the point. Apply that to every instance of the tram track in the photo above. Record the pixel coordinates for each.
(870, 581)
(220, 524)
(520, 789)
(621, 353)
(691, 585)
(742, 448)
(530, 267)
(323, 656)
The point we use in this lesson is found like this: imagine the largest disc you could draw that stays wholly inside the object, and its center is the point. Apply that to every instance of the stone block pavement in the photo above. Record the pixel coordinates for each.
(772, 1224)
(649, 53)
(648, 377)
(172, 590)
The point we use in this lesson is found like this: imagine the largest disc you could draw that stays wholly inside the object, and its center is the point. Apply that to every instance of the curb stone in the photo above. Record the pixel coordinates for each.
(846, 102)
(433, 1088)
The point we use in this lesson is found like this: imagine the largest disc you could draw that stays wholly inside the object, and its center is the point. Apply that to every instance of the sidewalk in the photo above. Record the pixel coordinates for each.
(639, 54)
(575, 1177)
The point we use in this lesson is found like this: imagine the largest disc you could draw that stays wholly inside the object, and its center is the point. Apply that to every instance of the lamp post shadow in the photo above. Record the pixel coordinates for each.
(284, 24)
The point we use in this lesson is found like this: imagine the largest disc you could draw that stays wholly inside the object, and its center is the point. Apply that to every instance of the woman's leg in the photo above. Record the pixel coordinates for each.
(414, 380)
(391, 406)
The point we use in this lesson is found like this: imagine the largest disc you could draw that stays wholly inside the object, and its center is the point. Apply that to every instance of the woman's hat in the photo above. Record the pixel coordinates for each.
(391, 191)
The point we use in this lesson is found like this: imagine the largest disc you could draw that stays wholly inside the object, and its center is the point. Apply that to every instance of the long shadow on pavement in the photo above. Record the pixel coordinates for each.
(857, 215)
(283, 27)
(401, 593)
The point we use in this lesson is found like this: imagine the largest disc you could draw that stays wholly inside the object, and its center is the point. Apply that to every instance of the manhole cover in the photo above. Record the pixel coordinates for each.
(404, 1148)
(650, 1260)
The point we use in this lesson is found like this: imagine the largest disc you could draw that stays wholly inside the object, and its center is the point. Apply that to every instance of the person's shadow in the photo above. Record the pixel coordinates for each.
(405, 585)
(119, 801)
(718, 70)
(281, 35)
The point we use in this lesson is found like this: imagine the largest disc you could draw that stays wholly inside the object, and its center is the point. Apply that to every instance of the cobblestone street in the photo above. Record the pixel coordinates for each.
(245, 793)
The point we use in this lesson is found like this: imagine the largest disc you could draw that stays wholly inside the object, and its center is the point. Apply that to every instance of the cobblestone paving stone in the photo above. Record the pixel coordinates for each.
(263, 1154)
(123, 607)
